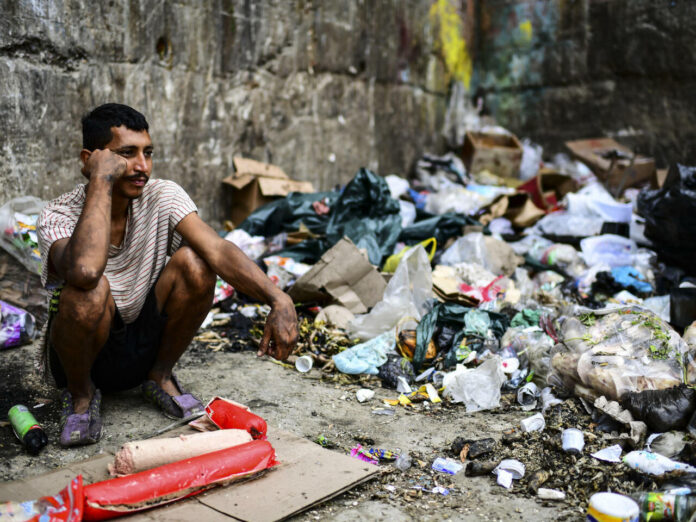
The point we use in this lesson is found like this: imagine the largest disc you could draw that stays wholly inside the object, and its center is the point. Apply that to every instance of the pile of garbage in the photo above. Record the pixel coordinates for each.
(492, 279)
(543, 286)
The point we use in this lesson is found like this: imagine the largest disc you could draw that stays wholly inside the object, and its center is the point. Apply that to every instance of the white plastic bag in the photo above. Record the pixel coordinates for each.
(654, 463)
(479, 388)
(252, 246)
(407, 295)
(531, 159)
(18, 219)
(608, 248)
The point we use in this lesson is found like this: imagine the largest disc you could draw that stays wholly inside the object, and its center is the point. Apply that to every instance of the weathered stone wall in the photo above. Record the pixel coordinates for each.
(563, 69)
(323, 87)
(320, 88)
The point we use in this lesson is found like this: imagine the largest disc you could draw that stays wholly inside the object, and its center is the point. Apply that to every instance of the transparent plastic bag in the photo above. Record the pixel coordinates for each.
(407, 295)
(479, 388)
(18, 219)
(612, 352)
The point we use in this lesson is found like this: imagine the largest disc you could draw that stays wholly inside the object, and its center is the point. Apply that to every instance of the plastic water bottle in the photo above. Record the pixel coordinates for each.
(27, 429)
(667, 506)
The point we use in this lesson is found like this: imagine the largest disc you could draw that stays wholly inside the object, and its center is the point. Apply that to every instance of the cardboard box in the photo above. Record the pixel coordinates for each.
(255, 184)
(499, 153)
(343, 274)
(617, 174)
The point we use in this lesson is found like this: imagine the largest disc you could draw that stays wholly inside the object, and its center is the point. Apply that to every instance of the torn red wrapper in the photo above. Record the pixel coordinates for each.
(227, 414)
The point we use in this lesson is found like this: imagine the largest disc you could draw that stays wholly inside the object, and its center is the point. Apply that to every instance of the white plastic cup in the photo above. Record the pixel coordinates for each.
(573, 441)
(534, 423)
(304, 363)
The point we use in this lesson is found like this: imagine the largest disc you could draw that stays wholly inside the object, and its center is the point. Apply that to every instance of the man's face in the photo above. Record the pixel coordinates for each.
(136, 148)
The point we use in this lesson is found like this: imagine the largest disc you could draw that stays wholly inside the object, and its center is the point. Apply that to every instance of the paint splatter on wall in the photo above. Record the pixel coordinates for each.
(450, 41)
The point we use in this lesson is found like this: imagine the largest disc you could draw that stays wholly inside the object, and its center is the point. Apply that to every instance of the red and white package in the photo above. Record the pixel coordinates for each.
(171, 482)
(66, 506)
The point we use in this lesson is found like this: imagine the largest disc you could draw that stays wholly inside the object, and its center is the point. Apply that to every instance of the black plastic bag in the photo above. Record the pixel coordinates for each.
(670, 217)
(662, 410)
(395, 367)
(450, 314)
(368, 215)
(286, 215)
(440, 227)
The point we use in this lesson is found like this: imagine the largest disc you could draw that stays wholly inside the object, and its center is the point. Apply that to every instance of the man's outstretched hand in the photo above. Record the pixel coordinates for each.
(280, 333)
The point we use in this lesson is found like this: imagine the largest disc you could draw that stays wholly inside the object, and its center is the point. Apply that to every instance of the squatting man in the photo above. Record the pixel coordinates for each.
(132, 270)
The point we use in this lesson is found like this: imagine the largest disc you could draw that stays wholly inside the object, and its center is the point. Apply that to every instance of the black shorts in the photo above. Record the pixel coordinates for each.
(129, 353)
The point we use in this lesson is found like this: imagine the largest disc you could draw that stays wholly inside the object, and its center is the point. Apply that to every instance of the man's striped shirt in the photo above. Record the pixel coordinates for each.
(133, 267)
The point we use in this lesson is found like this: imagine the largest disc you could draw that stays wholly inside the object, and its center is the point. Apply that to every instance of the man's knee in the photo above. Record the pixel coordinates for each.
(85, 307)
(197, 274)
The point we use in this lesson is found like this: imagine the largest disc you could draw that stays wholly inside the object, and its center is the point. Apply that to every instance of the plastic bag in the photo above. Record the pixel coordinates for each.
(612, 352)
(662, 410)
(393, 261)
(366, 357)
(455, 199)
(437, 172)
(670, 217)
(18, 219)
(493, 254)
(252, 246)
(407, 295)
(531, 159)
(17, 326)
(654, 463)
(478, 389)
(454, 316)
(288, 213)
(440, 227)
(407, 211)
(367, 214)
(66, 506)
(608, 248)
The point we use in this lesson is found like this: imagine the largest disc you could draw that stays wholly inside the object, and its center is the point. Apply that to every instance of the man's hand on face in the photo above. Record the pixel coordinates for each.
(104, 163)
(280, 333)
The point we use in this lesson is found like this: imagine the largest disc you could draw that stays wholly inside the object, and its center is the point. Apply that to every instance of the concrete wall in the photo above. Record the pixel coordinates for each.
(323, 87)
(320, 88)
(562, 69)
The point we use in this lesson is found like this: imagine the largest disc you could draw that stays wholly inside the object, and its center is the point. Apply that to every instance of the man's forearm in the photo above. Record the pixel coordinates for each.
(87, 251)
(245, 276)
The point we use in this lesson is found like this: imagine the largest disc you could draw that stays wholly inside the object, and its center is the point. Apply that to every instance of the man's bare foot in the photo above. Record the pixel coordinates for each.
(166, 383)
(81, 403)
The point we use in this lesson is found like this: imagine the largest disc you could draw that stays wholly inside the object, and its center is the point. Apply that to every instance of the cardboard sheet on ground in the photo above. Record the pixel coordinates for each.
(345, 275)
(307, 476)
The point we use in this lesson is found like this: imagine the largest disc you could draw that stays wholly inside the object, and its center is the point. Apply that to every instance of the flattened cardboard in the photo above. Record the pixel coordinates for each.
(182, 511)
(255, 183)
(308, 475)
(344, 274)
(620, 177)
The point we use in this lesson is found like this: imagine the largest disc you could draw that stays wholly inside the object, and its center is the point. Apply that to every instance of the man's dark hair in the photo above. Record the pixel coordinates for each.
(96, 126)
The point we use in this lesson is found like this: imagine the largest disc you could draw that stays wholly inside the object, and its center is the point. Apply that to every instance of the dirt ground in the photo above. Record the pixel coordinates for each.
(308, 407)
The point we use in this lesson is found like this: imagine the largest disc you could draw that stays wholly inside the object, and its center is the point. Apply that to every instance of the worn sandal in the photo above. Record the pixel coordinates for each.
(78, 429)
(178, 407)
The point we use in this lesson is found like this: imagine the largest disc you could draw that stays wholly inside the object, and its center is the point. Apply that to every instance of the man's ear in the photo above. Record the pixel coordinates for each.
(84, 156)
